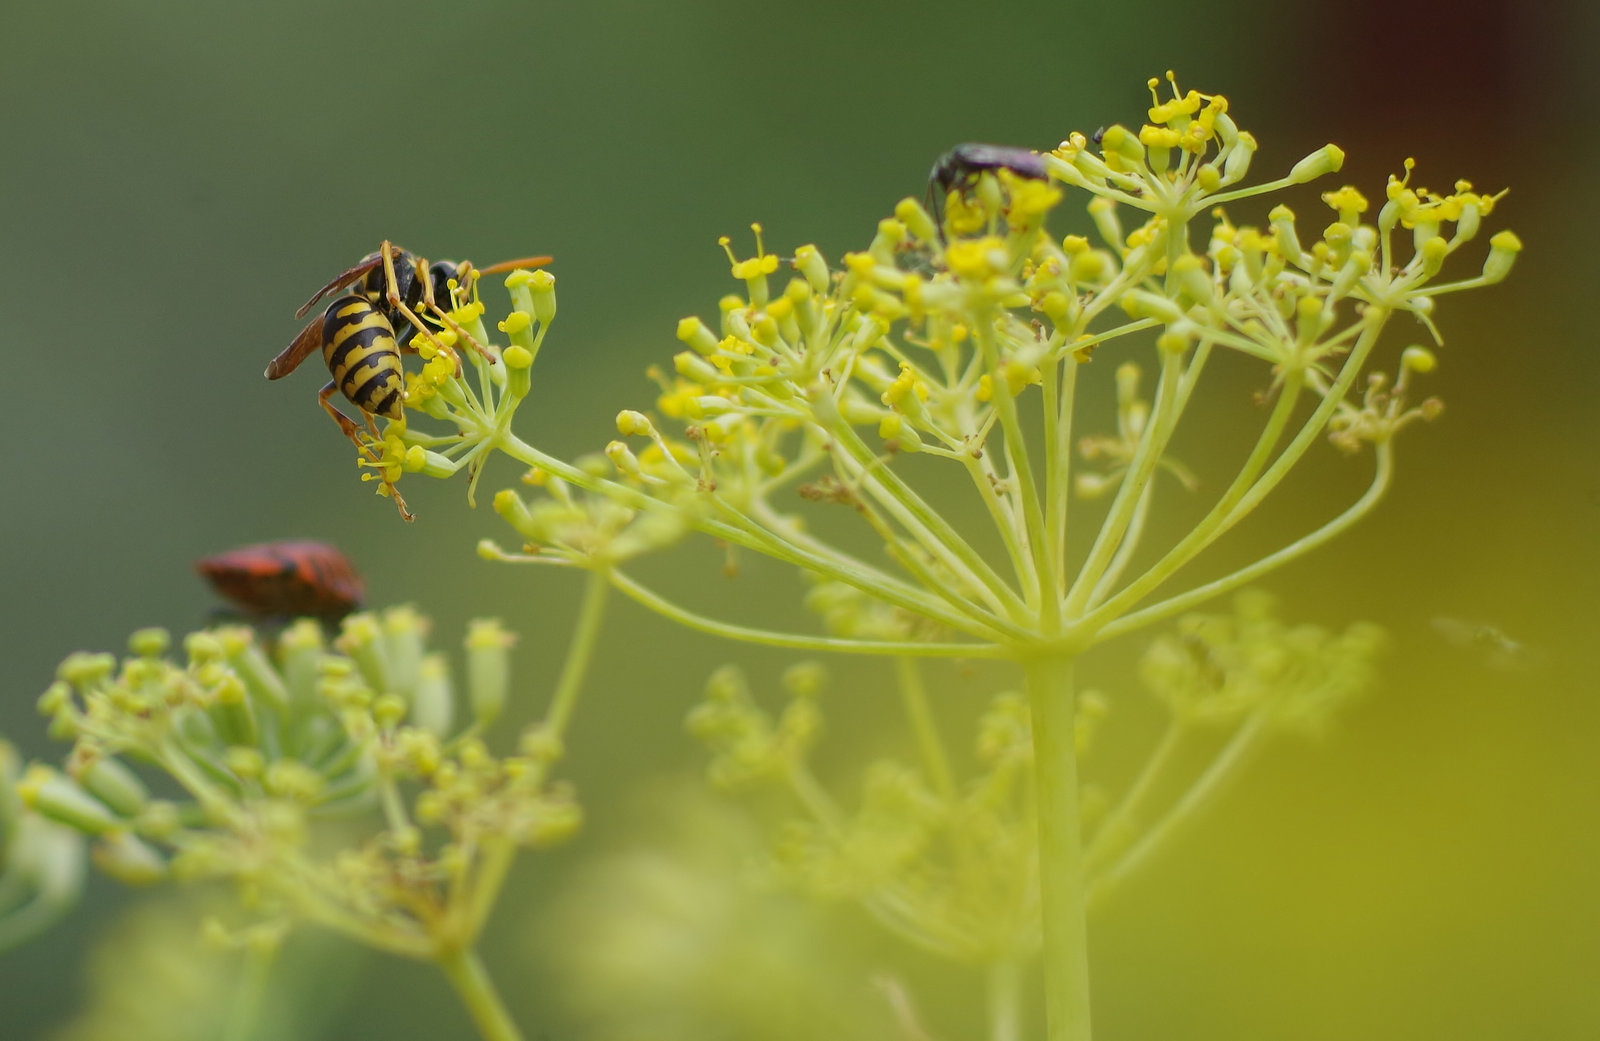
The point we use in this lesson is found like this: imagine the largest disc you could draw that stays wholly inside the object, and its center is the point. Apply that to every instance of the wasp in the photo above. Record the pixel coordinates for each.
(288, 579)
(959, 165)
(357, 331)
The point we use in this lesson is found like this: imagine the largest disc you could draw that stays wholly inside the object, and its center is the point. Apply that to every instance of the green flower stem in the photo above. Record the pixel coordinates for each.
(1197, 365)
(1244, 499)
(984, 479)
(795, 641)
(979, 621)
(1126, 549)
(1058, 407)
(465, 971)
(1005, 1000)
(915, 698)
(1162, 421)
(300, 889)
(495, 862)
(1116, 830)
(394, 809)
(1301, 546)
(1264, 188)
(1053, 701)
(918, 923)
(1234, 756)
(911, 561)
(244, 1012)
(1036, 579)
(1211, 526)
(941, 538)
(580, 652)
(184, 769)
(749, 534)
(1375, 319)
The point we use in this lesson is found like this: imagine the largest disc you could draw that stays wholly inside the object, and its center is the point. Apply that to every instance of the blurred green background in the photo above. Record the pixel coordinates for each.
(176, 175)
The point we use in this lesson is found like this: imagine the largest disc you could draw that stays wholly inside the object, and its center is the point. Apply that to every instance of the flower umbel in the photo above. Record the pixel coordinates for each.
(950, 356)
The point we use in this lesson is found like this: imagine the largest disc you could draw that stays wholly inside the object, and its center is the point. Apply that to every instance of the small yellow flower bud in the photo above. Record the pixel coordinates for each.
(1089, 268)
(1060, 308)
(691, 366)
(810, 264)
(508, 504)
(1503, 250)
(1284, 236)
(150, 643)
(1104, 213)
(1418, 359)
(1325, 160)
(916, 219)
(1190, 272)
(634, 424)
(1141, 303)
(697, 335)
(622, 458)
(1433, 252)
(543, 285)
(1172, 341)
(1237, 163)
(1120, 142)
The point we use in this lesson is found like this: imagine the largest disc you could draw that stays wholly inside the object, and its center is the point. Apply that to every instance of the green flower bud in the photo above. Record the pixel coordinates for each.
(129, 859)
(1325, 160)
(433, 700)
(150, 643)
(1503, 250)
(53, 795)
(488, 668)
(114, 784)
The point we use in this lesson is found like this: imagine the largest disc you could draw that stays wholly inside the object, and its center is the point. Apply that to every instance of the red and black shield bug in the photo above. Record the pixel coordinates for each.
(287, 579)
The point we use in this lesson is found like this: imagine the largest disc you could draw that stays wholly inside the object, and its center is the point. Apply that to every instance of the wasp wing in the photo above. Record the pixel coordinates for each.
(310, 339)
(344, 278)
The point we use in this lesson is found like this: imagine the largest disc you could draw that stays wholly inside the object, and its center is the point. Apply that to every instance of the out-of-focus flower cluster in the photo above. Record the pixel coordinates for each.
(1219, 668)
(953, 872)
(953, 867)
(267, 760)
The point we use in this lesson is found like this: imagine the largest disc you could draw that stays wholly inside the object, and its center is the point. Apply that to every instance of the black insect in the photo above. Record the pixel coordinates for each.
(963, 162)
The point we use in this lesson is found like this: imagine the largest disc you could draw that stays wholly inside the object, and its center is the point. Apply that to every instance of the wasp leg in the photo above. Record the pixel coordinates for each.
(467, 278)
(392, 295)
(365, 448)
(340, 418)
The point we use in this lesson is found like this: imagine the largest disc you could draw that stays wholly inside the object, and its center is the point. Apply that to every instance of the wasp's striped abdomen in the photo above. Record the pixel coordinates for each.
(359, 346)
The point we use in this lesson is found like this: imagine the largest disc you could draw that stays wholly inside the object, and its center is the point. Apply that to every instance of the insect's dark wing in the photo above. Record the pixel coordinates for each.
(310, 339)
(344, 278)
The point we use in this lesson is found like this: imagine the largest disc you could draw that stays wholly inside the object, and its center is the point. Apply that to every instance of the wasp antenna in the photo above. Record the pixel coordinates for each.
(512, 265)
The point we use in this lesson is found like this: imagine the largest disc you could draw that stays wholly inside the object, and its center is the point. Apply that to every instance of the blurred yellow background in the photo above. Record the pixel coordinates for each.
(176, 177)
